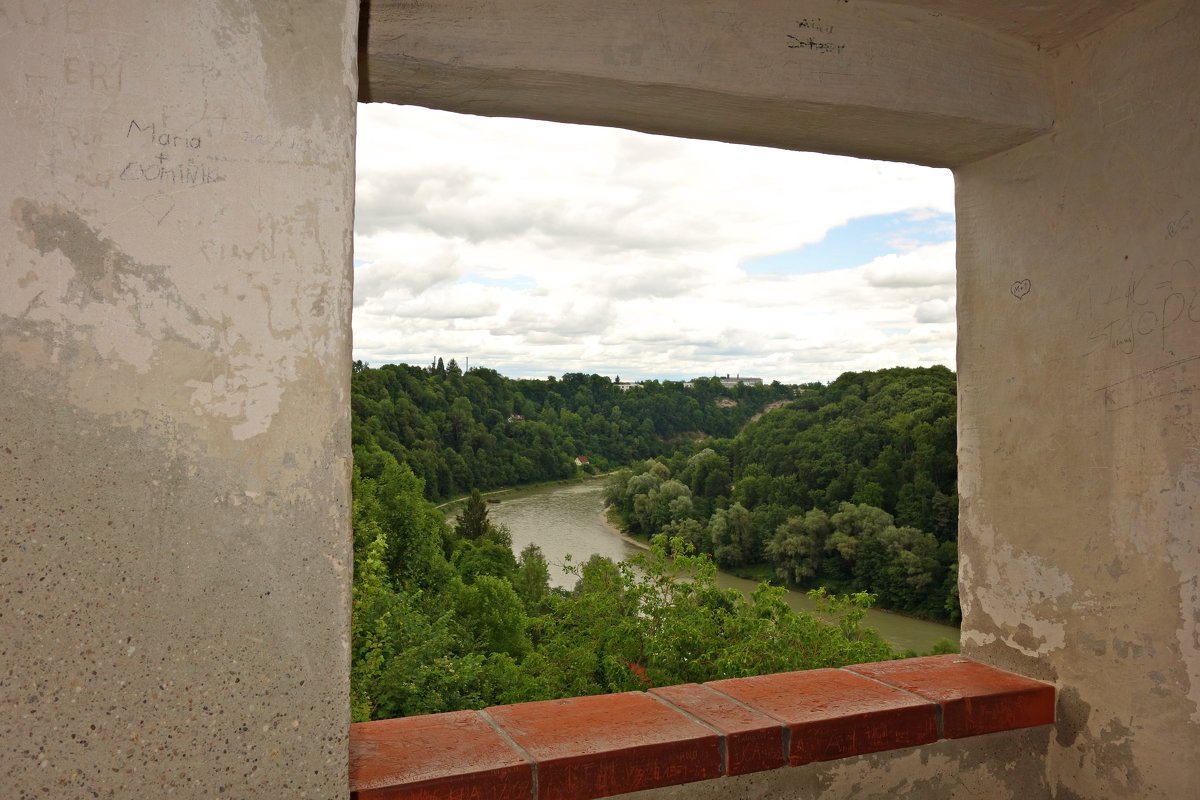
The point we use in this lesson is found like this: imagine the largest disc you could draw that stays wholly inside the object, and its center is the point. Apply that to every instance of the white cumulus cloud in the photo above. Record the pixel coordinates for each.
(535, 248)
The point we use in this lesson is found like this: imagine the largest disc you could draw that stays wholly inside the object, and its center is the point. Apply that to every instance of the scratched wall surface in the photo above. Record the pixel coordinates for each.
(1079, 356)
(1001, 766)
(864, 79)
(176, 195)
(175, 213)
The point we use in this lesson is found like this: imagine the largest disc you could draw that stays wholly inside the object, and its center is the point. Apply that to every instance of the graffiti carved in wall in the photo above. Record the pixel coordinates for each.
(814, 35)
(1157, 307)
(170, 157)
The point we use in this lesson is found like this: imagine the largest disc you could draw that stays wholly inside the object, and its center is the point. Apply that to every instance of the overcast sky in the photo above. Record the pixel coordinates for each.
(536, 249)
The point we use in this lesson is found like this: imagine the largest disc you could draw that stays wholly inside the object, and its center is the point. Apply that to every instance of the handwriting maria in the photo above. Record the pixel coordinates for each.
(162, 138)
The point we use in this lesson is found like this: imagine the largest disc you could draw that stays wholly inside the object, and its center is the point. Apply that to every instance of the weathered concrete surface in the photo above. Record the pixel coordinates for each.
(864, 79)
(175, 217)
(1079, 380)
(1049, 24)
(176, 203)
(1079, 308)
(995, 766)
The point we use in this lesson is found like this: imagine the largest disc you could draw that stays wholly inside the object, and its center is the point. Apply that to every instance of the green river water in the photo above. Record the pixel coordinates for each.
(570, 520)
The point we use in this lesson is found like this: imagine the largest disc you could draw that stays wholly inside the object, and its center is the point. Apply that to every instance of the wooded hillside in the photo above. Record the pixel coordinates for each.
(479, 430)
(851, 487)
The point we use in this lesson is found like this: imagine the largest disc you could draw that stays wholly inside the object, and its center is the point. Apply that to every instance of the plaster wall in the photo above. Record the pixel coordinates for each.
(1079, 381)
(175, 215)
(999, 766)
(863, 78)
(176, 196)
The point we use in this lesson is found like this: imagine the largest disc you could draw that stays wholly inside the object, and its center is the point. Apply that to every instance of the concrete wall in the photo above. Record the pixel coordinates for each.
(1079, 359)
(1079, 312)
(175, 217)
(865, 79)
(999, 766)
(176, 195)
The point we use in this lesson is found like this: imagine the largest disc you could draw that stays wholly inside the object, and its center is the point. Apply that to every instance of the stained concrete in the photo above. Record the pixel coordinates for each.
(175, 222)
(862, 79)
(1079, 433)
(1049, 24)
(1072, 127)
(175, 211)
(992, 766)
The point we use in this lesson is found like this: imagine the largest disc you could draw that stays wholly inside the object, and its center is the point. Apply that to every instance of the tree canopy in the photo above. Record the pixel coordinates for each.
(848, 490)
(459, 622)
(852, 486)
(459, 431)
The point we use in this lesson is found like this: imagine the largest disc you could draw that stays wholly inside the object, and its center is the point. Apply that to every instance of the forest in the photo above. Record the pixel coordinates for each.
(851, 487)
(848, 486)
(479, 430)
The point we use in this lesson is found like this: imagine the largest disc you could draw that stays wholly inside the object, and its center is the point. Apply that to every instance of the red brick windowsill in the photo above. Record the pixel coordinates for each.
(587, 747)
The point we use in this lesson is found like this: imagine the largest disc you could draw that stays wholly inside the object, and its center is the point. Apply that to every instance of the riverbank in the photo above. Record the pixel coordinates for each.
(608, 514)
(567, 521)
(902, 631)
(513, 492)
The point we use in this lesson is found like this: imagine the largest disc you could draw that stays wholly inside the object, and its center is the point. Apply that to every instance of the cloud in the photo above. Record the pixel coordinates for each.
(536, 248)
(414, 265)
(936, 310)
(859, 241)
(921, 267)
(577, 318)
(647, 281)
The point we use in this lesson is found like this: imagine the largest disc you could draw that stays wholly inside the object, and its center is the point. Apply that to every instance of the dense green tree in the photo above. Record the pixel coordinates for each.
(663, 503)
(473, 522)
(734, 542)
(413, 528)
(477, 430)
(473, 558)
(492, 615)
(491, 631)
(532, 580)
(797, 549)
(871, 456)
(849, 488)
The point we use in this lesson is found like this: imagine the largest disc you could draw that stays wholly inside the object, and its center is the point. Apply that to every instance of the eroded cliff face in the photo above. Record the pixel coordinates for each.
(177, 201)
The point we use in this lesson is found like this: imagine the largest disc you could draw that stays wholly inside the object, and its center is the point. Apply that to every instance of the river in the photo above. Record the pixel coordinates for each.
(570, 520)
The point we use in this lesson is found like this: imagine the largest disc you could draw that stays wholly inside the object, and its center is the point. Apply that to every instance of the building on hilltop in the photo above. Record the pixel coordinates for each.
(738, 380)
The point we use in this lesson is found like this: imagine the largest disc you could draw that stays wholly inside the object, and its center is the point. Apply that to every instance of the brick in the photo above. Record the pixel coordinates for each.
(458, 754)
(831, 713)
(587, 747)
(753, 741)
(974, 697)
(592, 747)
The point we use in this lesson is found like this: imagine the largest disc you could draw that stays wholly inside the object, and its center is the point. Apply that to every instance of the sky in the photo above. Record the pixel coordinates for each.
(537, 248)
